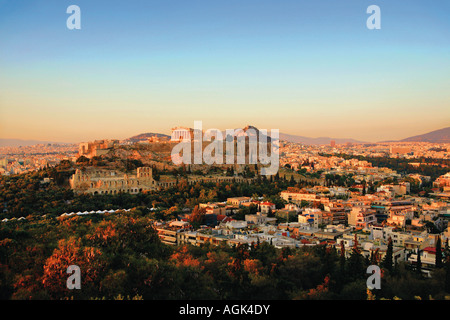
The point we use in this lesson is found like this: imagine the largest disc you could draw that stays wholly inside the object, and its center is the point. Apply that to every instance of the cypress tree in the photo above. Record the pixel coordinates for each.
(388, 259)
(419, 263)
(342, 257)
(447, 249)
(438, 262)
(355, 262)
(374, 256)
(341, 277)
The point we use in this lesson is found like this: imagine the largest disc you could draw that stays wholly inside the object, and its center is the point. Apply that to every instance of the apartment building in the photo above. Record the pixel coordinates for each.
(361, 217)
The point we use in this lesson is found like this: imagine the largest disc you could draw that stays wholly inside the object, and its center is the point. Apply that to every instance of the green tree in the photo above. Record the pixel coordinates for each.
(388, 258)
(438, 262)
(342, 258)
(355, 262)
(419, 263)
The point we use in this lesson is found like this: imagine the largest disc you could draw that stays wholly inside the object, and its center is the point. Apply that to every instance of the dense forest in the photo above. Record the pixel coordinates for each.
(27, 194)
(120, 256)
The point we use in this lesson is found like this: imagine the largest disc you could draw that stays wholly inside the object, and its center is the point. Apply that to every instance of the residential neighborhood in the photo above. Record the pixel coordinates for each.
(366, 222)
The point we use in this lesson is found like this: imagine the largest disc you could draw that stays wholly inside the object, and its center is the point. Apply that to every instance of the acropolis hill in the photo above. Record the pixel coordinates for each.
(107, 181)
(111, 166)
(113, 154)
(154, 150)
(145, 162)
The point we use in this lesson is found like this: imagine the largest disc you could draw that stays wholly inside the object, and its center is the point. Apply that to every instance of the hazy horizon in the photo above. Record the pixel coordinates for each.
(306, 68)
(168, 133)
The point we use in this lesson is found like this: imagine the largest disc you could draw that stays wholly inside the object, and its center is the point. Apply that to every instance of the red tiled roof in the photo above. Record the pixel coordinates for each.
(430, 249)
(223, 218)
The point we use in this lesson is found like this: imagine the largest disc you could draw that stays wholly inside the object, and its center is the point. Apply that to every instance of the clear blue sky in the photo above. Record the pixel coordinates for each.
(310, 68)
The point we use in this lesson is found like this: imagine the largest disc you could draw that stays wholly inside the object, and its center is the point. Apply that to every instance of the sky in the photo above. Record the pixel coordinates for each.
(309, 68)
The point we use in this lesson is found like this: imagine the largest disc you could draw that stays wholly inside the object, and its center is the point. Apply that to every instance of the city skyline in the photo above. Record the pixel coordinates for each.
(439, 136)
(305, 68)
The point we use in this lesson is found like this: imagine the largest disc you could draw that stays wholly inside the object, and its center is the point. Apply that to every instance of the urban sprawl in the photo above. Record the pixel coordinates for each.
(341, 199)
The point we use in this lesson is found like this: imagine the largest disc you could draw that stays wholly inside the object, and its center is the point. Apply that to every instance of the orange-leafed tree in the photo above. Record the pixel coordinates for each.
(197, 216)
(104, 234)
(182, 258)
(253, 266)
(71, 252)
(318, 293)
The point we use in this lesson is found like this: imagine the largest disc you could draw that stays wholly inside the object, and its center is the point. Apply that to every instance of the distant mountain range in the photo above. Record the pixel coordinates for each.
(24, 143)
(320, 140)
(250, 131)
(436, 136)
(145, 136)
